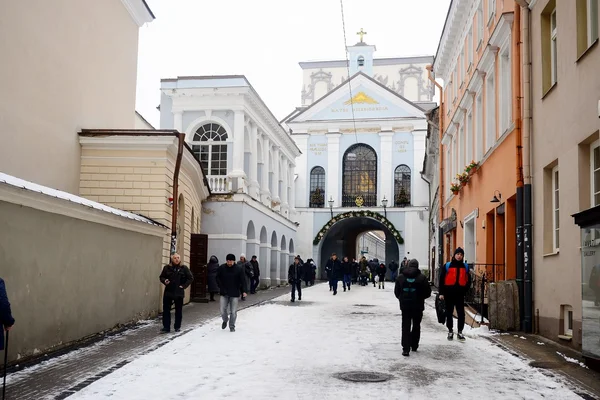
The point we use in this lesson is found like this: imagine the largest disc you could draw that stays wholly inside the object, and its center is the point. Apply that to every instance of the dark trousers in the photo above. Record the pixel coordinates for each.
(458, 302)
(167, 303)
(411, 329)
(333, 283)
(296, 285)
(347, 280)
(394, 276)
(253, 284)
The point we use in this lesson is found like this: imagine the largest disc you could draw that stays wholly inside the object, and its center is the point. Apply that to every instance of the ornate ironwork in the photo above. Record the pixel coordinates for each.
(402, 180)
(317, 188)
(359, 177)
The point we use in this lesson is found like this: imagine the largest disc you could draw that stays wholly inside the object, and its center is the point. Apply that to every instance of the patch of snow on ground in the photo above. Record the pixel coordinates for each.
(571, 360)
(292, 351)
(476, 317)
(541, 343)
(522, 337)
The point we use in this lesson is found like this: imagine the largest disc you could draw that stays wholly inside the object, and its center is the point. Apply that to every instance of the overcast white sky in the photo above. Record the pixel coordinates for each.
(266, 39)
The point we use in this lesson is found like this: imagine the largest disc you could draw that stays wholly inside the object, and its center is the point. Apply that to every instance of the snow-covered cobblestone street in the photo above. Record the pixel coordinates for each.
(289, 350)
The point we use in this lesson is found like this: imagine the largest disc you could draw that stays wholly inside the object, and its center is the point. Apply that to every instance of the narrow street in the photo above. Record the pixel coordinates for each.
(287, 350)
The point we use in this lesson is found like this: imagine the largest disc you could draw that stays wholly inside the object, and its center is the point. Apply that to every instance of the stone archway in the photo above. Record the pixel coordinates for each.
(341, 238)
(252, 243)
(291, 251)
(284, 256)
(275, 279)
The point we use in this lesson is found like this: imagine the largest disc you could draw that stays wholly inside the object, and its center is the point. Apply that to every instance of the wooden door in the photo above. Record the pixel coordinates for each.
(198, 261)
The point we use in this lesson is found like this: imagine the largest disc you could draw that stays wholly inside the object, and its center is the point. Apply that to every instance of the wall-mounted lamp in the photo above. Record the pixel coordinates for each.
(496, 199)
(331, 206)
(384, 204)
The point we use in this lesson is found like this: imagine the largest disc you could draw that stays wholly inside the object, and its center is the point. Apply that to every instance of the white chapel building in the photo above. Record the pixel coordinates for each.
(361, 133)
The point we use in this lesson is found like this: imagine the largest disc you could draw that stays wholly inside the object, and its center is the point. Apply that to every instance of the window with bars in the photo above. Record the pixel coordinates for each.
(210, 148)
(317, 188)
(359, 176)
(402, 180)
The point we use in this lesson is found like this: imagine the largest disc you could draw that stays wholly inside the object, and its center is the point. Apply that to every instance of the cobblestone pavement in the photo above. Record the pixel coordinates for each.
(60, 377)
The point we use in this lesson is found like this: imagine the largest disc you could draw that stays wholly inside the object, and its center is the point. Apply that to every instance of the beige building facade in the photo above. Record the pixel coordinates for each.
(565, 92)
(68, 65)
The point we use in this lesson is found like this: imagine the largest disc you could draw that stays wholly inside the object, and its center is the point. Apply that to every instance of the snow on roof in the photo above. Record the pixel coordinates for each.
(34, 187)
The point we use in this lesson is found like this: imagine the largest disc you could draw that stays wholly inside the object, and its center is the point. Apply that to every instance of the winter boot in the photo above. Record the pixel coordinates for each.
(450, 335)
(405, 353)
(460, 337)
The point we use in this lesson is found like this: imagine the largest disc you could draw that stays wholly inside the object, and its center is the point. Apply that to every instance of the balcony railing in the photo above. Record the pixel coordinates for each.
(218, 183)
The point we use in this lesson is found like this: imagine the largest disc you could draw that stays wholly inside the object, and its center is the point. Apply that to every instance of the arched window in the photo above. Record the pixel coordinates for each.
(359, 177)
(361, 61)
(210, 148)
(402, 186)
(317, 188)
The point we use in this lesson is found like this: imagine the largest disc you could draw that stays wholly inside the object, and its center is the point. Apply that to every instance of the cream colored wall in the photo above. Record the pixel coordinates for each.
(565, 122)
(66, 65)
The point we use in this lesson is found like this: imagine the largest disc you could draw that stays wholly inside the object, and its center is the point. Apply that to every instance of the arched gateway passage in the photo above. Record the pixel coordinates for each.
(342, 236)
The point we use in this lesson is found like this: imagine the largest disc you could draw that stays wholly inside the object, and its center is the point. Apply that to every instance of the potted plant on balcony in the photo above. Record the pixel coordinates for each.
(402, 199)
(463, 178)
(472, 168)
(455, 188)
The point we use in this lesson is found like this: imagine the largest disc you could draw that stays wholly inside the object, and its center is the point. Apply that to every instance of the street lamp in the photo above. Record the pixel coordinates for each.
(331, 206)
(384, 204)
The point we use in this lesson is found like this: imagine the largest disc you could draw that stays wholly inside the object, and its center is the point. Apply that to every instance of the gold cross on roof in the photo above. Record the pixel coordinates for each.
(361, 34)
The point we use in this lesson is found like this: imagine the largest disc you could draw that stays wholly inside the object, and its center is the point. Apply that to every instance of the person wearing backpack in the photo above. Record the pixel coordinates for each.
(455, 280)
(412, 288)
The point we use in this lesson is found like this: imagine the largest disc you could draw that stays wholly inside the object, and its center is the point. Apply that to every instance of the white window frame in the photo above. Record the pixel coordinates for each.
(555, 208)
(490, 112)
(480, 25)
(491, 11)
(470, 49)
(469, 156)
(593, 189)
(505, 87)
(454, 156)
(592, 21)
(553, 48)
(479, 128)
(461, 148)
(568, 317)
(448, 166)
(461, 67)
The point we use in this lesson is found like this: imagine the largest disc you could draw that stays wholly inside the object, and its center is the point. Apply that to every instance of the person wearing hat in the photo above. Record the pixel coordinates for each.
(295, 272)
(412, 288)
(455, 280)
(232, 282)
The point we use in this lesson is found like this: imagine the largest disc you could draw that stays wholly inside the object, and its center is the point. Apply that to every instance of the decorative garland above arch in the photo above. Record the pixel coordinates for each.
(358, 214)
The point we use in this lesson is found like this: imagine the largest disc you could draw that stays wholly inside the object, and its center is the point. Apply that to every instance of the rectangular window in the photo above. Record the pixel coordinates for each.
(480, 25)
(454, 156)
(553, 48)
(461, 149)
(568, 320)
(479, 127)
(490, 115)
(447, 166)
(587, 24)
(555, 210)
(491, 10)
(506, 89)
(595, 172)
(470, 49)
(469, 153)
(549, 36)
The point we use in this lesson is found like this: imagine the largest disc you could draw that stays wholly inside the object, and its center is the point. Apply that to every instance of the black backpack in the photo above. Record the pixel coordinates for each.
(409, 293)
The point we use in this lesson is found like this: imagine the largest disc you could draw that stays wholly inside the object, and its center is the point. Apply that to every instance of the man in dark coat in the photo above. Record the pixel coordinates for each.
(403, 264)
(394, 270)
(411, 290)
(248, 271)
(455, 281)
(355, 270)
(295, 273)
(347, 273)
(256, 275)
(176, 277)
(381, 270)
(232, 283)
(213, 287)
(335, 266)
(6, 318)
(373, 266)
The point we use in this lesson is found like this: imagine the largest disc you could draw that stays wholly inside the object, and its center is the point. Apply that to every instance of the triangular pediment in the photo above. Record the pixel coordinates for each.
(362, 99)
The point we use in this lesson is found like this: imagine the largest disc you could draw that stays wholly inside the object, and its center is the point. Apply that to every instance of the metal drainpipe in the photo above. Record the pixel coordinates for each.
(181, 137)
(428, 225)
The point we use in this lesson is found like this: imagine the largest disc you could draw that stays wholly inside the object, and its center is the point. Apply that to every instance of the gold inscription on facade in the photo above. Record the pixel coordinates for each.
(356, 109)
(401, 146)
(317, 148)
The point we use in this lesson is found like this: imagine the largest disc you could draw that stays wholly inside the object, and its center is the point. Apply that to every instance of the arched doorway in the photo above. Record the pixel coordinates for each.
(359, 176)
(343, 236)
(252, 243)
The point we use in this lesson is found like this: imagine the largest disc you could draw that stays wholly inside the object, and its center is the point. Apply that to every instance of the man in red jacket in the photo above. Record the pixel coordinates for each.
(455, 280)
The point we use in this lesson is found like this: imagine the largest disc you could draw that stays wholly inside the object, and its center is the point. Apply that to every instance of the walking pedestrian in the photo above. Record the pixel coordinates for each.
(394, 270)
(411, 290)
(403, 264)
(381, 270)
(335, 266)
(455, 280)
(295, 278)
(255, 275)
(213, 267)
(312, 271)
(176, 277)
(364, 271)
(355, 271)
(347, 273)
(328, 272)
(6, 321)
(232, 283)
(373, 265)
(248, 270)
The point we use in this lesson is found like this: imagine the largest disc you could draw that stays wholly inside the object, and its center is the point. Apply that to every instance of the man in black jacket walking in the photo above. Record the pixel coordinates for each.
(176, 277)
(232, 282)
(295, 273)
(411, 290)
(335, 266)
(256, 275)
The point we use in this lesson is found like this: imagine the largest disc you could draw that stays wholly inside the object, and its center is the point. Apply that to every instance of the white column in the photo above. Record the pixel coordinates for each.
(386, 168)
(284, 192)
(292, 199)
(253, 184)
(333, 169)
(178, 121)
(276, 159)
(237, 173)
(265, 193)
